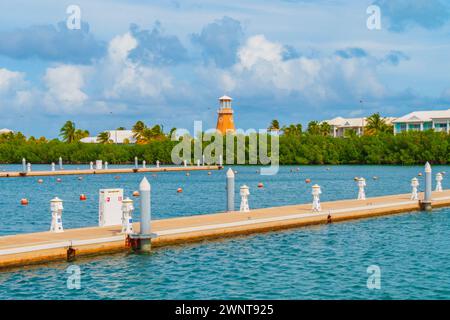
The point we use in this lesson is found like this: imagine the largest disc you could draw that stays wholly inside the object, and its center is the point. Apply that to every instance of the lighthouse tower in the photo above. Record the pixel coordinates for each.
(225, 123)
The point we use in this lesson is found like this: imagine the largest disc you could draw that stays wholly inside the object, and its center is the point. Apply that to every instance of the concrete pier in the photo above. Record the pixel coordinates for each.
(13, 174)
(24, 249)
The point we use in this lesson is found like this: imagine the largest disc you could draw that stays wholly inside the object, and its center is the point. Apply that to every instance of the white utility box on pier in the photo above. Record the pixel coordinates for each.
(98, 164)
(110, 207)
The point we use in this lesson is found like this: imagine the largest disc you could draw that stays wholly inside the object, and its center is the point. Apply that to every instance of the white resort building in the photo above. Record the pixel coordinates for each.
(5, 131)
(340, 125)
(116, 136)
(439, 120)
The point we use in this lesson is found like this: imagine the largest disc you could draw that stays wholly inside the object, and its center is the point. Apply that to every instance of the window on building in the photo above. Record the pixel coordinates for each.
(414, 127)
(440, 127)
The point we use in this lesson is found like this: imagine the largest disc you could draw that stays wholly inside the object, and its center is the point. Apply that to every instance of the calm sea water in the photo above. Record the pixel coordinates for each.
(323, 262)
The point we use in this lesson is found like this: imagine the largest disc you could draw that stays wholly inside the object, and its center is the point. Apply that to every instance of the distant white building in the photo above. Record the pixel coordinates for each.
(116, 136)
(438, 120)
(340, 125)
(5, 131)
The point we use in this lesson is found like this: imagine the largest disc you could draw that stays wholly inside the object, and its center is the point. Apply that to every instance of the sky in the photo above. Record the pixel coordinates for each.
(168, 62)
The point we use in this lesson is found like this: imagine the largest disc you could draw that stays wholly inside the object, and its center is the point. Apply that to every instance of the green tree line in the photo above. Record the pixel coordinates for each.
(312, 146)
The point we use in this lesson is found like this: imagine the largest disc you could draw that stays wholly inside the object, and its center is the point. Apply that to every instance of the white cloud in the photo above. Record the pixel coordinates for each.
(126, 79)
(64, 89)
(262, 69)
(10, 80)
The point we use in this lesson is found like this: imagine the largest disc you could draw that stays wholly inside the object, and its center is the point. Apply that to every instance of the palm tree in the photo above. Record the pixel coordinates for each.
(292, 130)
(138, 130)
(80, 134)
(314, 128)
(103, 137)
(325, 129)
(67, 132)
(375, 124)
(274, 125)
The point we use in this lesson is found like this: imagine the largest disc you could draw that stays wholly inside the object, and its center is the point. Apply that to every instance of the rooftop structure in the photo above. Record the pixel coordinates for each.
(438, 120)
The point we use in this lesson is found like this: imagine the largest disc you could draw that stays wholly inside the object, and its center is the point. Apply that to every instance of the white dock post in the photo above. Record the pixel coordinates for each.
(220, 160)
(203, 160)
(361, 192)
(106, 165)
(136, 162)
(198, 162)
(157, 163)
(60, 163)
(28, 167)
(414, 185)
(185, 162)
(439, 179)
(145, 243)
(244, 199)
(127, 219)
(426, 203)
(316, 192)
(53, 166)
(56, 207)
(91, 165)
(144, 163)
(230, 190)
(24, 165)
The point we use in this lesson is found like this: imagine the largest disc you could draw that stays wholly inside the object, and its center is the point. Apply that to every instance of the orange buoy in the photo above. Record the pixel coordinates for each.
(83, 197)
(260, 185)
(420, 174)
(179, 190)
(40, 180)
(24, 201)
(135, 193)
(308, 180)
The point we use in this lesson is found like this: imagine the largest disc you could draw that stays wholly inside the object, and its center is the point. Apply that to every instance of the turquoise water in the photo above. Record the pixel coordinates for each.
(323, 262)
(202, 193)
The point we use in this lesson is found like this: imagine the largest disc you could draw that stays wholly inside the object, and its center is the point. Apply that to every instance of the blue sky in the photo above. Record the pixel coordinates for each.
(168, 61)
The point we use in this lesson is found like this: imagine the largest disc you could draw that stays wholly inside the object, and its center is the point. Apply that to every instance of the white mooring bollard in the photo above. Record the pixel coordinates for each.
(361, 192)
(230, 190)
(439, 179)
(28, 167)
(185, 162)
(198, 162)
(157, 163)
(145, 234)
(24, 165)
(414, 186)
(316, 192)
(136, 162)
(127, 218)
(144, 163)
(56, 206)
(220, 160)
(203, 160)
(244, 199)
(53, 166)
(91, 165)
(60, 163)
(426, 202)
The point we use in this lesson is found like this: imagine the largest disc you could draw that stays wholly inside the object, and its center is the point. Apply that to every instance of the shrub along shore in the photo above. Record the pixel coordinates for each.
(302, 148)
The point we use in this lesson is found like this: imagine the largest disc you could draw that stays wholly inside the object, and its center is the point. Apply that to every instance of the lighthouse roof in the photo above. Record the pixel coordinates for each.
(225, 98)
